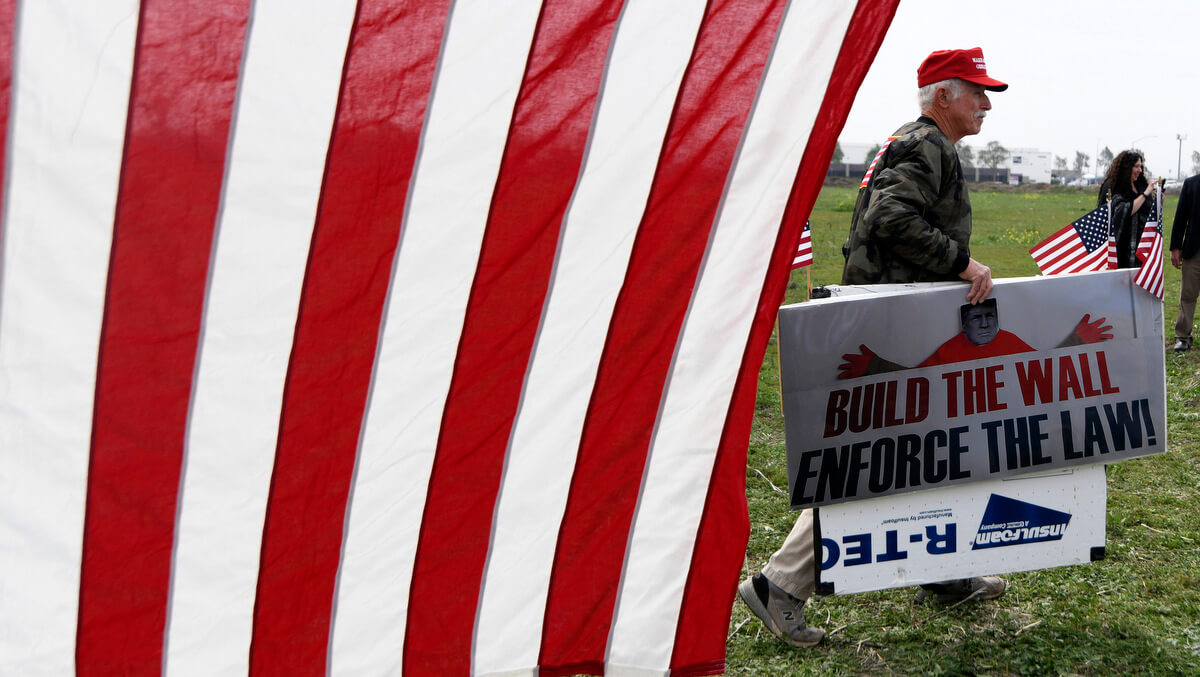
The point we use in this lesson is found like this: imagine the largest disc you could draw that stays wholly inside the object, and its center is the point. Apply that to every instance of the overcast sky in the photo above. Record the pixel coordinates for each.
(1081, 75)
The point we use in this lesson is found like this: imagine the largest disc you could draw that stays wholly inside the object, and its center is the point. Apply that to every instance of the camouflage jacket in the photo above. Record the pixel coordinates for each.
(912, 218)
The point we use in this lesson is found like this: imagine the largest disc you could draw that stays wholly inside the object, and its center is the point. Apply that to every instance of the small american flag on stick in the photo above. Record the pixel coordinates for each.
(1078, 247)
(871, 170)
(1149, 251)
(804, 256)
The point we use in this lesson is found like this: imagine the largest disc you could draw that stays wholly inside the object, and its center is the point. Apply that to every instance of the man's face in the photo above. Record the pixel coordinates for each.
(981, 324)
(965, 114)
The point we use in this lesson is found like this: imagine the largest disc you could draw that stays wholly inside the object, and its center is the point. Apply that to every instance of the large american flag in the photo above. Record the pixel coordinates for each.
(378, 337)
(1078, 247)
(1150, 249)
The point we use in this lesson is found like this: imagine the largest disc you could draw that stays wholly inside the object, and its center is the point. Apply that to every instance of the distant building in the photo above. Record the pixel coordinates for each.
(1030, 164)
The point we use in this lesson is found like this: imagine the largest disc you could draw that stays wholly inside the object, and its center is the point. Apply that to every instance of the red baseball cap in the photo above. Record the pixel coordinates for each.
(966, 64)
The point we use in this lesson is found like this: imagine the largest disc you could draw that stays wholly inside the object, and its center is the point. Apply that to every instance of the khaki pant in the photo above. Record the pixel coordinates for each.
(794, 566)
(1189, 287)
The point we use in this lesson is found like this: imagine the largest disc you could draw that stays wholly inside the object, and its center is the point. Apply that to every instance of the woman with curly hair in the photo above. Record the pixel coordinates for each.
(1131, 194)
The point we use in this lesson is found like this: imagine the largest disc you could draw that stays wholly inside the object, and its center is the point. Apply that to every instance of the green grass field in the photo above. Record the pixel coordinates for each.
(1136, 612)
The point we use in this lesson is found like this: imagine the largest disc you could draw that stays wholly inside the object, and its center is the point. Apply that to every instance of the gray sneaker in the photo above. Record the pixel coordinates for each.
(779, 611)
(949, 592)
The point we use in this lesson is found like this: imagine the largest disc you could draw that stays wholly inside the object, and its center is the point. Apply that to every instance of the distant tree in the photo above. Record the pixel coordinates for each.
(993, 155)
(1103, 160)
(837, 153)
(1196, 162)
(1081, 160)
(871, 153)
(1060, 163)
(965, 154)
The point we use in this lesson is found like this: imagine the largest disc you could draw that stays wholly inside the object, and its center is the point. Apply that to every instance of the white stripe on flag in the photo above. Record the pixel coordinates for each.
(1078, 260)
(652, 46)
(1155, 276)
(73, 65)
(287, 98)
(701, 384)
(1053, 244)
(482, 60)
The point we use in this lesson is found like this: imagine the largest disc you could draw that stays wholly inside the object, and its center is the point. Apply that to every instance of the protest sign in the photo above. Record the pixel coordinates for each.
(1016, 524)
(903, 388)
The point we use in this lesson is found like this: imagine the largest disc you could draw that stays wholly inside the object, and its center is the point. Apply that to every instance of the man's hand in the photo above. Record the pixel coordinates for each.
(980, 277)
(856, 365)
(1177, 258)
(1093, 332)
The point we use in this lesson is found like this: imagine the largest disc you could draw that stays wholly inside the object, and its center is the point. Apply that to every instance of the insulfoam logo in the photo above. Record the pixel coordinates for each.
(1007, 521)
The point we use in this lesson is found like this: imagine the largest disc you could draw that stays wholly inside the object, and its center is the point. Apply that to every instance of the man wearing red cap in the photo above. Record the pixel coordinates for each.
(912, 219)
(912, 223)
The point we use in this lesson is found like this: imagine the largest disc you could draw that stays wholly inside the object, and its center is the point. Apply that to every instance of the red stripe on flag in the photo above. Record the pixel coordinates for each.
(184, 85)
(716, 562)
(8, 16)
(715, 98)
(541, 162)
(381, 110)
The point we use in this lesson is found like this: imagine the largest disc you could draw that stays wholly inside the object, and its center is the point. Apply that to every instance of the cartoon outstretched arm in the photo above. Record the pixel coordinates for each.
(865, 362)
(1088, 332)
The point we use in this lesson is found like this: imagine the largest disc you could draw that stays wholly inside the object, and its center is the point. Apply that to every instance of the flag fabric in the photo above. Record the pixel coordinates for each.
(874, 161)
(377, 338)
(804, 256)
(1113, 262)
(1081, 246)
(1150, 249)
(1153, 222)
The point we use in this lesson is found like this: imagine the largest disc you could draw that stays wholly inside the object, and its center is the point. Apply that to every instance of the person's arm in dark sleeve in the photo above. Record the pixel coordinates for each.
(1120, 216)
(1183, 212)
(1122, 226)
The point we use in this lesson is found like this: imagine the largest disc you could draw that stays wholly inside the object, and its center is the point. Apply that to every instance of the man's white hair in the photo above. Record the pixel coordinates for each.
(925, 94)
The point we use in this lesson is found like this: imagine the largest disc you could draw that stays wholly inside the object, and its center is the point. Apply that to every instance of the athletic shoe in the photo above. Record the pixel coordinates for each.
(779, 611)
(1182, 345)
(949, 592)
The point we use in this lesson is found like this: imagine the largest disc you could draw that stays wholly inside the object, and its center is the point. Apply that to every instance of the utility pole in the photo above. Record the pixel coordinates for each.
(1179, 158)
